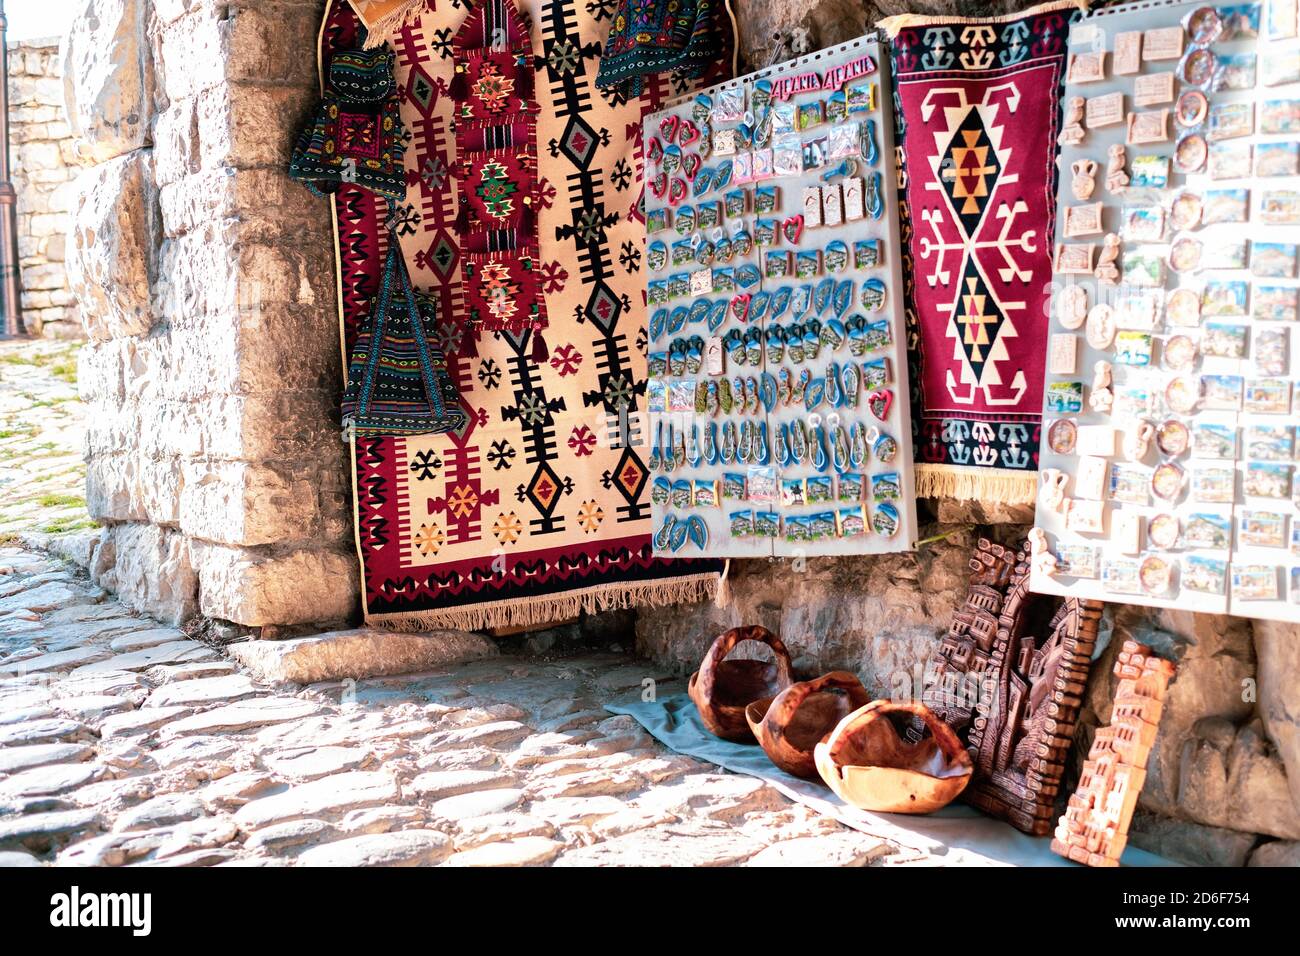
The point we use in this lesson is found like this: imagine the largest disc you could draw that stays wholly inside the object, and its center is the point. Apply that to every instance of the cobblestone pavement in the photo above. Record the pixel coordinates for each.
(123, 742)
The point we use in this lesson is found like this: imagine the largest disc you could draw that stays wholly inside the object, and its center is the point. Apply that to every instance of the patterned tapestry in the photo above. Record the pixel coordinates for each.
(978, 112)
(537, 508)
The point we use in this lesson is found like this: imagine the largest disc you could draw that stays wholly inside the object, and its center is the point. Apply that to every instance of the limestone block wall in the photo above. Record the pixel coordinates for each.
(44, 162)
(205, 280)
(1223, 785)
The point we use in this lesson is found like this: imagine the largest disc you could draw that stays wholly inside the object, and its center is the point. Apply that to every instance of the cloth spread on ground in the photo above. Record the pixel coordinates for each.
(960, 834)
(397, 377)
(659, 36)
(977, 104)
(536, 509)
(356, 135)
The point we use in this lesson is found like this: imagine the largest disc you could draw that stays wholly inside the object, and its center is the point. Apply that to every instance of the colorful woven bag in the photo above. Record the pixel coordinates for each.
(660, 36)
(357, 134)
(398, 383)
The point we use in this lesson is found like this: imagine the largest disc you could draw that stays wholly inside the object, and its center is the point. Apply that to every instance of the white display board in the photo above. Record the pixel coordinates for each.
(815, 456)
(1169, 439)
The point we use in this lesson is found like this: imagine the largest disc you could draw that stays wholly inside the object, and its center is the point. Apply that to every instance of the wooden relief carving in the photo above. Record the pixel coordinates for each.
(1009, 676)
(1094, 827)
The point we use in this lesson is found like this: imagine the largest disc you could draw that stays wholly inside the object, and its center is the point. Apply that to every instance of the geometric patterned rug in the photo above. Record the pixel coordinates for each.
(537, 509)
(978, 113)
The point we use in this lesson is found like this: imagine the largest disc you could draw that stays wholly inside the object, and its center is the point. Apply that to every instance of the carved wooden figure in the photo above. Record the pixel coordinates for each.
(1094, 827)
(1030, 656)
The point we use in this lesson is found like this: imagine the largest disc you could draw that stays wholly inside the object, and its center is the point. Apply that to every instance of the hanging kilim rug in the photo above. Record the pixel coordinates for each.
(538, 507)
(978, 108)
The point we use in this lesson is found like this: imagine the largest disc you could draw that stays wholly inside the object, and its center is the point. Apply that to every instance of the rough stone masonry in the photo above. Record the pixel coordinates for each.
(206, 285)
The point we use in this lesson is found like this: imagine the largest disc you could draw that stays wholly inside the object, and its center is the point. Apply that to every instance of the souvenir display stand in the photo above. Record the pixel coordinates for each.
(779, 420)
(1169, 441)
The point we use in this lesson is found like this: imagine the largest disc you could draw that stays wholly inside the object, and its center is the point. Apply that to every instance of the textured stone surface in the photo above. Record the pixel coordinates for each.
(1277, 853)
(1277, 648)
(44, 162)
(107, 77)
(403, 848)
(1190, 843)
(112, 256)
(363, 652)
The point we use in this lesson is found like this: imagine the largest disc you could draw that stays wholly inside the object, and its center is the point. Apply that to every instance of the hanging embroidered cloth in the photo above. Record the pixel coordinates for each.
(356, 135)
(495, 120)
(397, 378)
(660, 36)
(978, 112)
(538, 508)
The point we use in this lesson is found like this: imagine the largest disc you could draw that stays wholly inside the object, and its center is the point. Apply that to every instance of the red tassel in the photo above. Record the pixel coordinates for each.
(525, 224)
(462, 218)
(540, 352)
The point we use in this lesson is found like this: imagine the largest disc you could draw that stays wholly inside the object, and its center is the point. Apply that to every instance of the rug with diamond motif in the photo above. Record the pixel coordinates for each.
(538, 508)
(977, 104)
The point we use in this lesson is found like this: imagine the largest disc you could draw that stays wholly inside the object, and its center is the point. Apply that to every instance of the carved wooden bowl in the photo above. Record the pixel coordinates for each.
(870, 766)
(722, 689)
(789, 725)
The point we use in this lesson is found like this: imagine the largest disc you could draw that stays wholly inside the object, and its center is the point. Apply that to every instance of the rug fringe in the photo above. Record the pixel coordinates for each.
(386, 28)
(976, 484)
(892, 25)
(524, 612)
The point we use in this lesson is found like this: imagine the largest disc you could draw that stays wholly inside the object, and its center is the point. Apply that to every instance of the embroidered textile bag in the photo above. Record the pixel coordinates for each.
(397, 376)
(357, 134)
(660, 36)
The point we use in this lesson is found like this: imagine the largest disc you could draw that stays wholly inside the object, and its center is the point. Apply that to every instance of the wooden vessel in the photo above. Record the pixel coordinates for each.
(870, 766)
(791, 724)
(722, 689)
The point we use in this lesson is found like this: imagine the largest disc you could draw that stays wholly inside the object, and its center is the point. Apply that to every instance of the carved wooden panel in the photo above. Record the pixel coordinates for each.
(1094, 827)
(1009, 677)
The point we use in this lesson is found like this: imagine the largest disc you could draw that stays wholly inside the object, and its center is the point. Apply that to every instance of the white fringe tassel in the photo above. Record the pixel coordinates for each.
(524, 612)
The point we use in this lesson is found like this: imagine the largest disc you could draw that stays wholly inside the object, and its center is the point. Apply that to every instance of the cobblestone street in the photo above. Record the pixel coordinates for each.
(123, 742)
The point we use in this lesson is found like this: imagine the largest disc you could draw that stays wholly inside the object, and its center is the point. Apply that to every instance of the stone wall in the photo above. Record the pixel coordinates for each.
(44, 162)
(1224, 778)
(206, 284)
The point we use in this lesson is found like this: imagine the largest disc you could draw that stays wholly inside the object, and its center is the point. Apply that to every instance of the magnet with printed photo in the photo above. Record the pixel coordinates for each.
(1179, 353)
(1186, 210)
(1133, 348)
(1130, 483)
(1204, 25)
(1237, 72)
(1207, 530)
(1267, 479)
(1191, 109)
(1224, 340)
(1267, 396)
(1221, 392)
(1277, 159)
(1121, 575)
(1202, 574)
(1144, 267)
(1065, 398)
(1271, 442)
(1156, 574)
(1230, 120)
(1280, 21)
(1273, 260)
(1276, 303)
(1062, 435)
(1224, 253)
(1254, 582)
(1279, 116)
(1173, 438)
(1182, 393)
(1280, 207)
(1214, 484)
(1150, 172)
(1225, 205)
(1076, 560)
(1279, 68)
(866, 253)
(1262, 529)
(1224, 298)
(1145, 223)
(1185, 255)
(1240, 21)
(1214, 440)
(1229, 160)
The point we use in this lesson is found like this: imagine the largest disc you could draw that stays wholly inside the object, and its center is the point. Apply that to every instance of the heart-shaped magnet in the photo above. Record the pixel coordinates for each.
(668, 127)
(880, 402)
(687, 133)
(792, 229)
